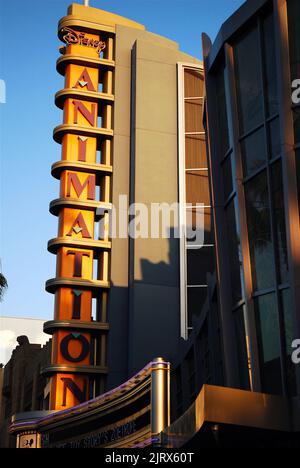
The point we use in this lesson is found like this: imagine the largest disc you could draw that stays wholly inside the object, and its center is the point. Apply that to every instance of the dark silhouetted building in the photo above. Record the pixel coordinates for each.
(23, 387)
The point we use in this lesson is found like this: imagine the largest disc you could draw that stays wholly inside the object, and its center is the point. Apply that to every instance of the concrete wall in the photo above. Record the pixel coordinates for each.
(144, 297)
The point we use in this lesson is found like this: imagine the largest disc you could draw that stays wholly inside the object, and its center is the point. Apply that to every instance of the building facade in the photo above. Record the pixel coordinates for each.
(23, 388)
(225, 315)
(251, 124)
(249, 72)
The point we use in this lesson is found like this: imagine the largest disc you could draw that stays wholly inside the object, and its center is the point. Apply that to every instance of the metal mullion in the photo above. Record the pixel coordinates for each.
(273, 117)
(195, 207)
(196, 169)
(284, 286)
(229, 199)
(254, 174)
(252, 131)
(258, 127)
(263, 292)
(275, 159)
(238, 305)
(193, 247)
(227, 155)
(197, 286)
(182, 200)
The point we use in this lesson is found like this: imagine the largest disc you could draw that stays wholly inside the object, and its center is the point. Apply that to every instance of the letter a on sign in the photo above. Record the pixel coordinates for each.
(85, 80)
(80, 226)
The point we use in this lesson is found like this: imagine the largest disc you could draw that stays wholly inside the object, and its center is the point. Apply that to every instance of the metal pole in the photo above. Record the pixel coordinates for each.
(160, 396)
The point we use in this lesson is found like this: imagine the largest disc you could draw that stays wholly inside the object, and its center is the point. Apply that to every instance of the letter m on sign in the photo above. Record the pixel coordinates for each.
(80, 395)
(90, 183)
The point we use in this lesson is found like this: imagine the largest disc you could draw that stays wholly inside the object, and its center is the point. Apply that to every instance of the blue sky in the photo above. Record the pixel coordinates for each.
(29, 49)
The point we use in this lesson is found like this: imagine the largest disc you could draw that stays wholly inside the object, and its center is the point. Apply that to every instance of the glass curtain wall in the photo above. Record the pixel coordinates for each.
(248, 130)
(260, 150)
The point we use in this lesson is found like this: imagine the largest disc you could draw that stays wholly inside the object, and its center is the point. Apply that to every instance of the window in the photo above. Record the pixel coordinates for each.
(190, 360)
(234, 253)
(193, 112)
(269, 63)
(241, 348)
(227, 177)
(269, 343)
(204, 352)
(274, 138)
(298, 172)
(294, 43)
(193, 82)
(253, 150)
(195, 260)
(289, 327)
(195, 150)
(222, 112)
(179, 394)
(259, 231)
(199, 263)
(249, 86)
(191, 222)
(197, 187)
(196, 297)
(296, 115)
(294, 37)
(279, 218)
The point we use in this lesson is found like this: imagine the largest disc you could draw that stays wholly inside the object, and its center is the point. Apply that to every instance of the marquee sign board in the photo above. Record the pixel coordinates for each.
(78, 366)
(132, 415)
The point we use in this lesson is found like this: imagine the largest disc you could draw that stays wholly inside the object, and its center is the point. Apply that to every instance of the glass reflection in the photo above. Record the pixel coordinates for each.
(269, 343)
(259, 231)
(249, 83)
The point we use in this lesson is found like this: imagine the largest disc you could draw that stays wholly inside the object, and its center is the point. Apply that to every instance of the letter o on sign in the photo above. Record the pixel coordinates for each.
(85, 347)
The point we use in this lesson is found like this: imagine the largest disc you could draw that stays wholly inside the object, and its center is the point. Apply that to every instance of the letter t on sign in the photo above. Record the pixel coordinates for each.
(78, 261)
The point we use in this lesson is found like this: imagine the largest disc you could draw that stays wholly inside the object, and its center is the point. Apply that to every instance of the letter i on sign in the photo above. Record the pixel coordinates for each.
(82, 143)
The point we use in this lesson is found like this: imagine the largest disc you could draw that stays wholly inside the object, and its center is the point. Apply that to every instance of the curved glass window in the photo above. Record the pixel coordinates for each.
(235, 254)
(269, 343)
(259, 231)
(249, 85)
(294, 37)
(279, 216)
(253, 149)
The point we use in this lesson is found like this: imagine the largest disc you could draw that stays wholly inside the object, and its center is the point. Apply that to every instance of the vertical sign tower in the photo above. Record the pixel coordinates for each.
(78, 366)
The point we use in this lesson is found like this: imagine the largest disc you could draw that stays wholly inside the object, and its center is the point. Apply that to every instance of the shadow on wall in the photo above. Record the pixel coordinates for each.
(145, 317)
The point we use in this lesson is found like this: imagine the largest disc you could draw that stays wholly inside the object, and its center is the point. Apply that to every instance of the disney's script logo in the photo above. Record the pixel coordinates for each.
(73, 37)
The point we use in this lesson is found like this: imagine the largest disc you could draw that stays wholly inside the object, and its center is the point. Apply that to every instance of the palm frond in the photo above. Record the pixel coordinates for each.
(3, 285)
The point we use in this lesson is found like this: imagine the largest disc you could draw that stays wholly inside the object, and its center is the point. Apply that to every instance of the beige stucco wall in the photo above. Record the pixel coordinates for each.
(144, 272)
